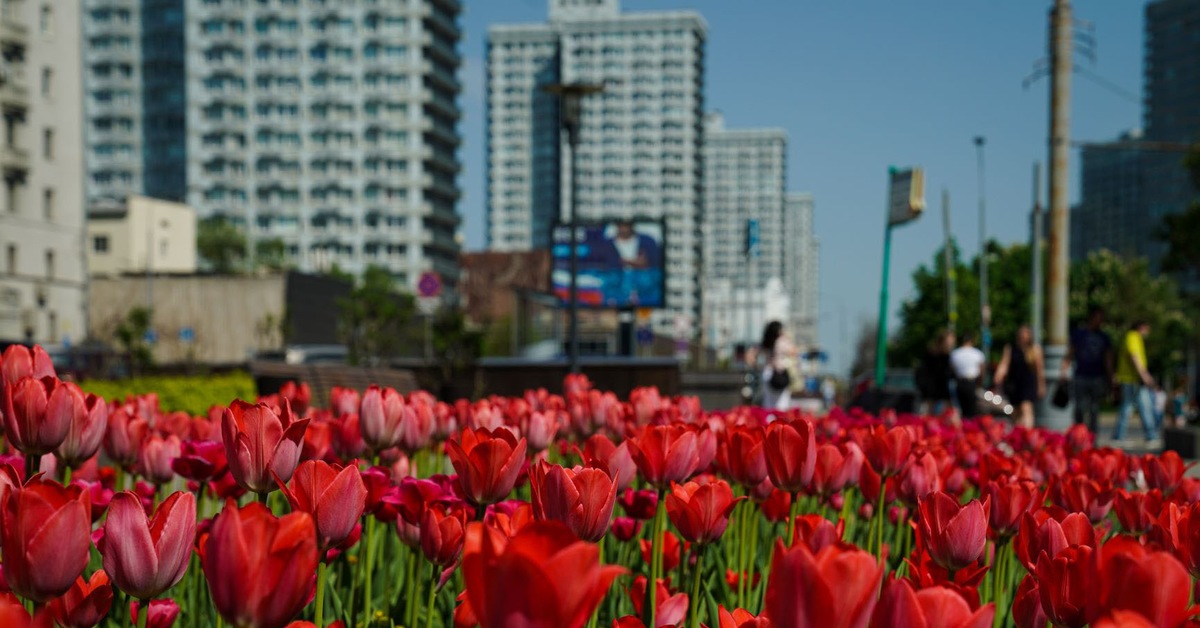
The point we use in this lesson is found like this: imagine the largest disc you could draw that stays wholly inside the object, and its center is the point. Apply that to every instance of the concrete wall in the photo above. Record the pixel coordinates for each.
(230, 316)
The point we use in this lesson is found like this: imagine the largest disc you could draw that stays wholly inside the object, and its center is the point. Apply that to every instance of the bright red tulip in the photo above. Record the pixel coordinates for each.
(1042, 533)
(701, 511)
(443, 532)
(85, 604)
(1164, 472)
(740, 618)
(1137, 512)
(670, 610)
(835, 588)
(1123, 619)
(887, 449)
(741, 456)
(543, 576)
(145, 557)
(14, 615)
(1067, 584)
(487, 462)
(260, 444)
(955, 535)
(334, 496)
(161, 614)
(157, 456)
(19, 362)
(833, 470)
(1178, 529)
(1080, 493)
(583, 499)
(615, 460)
(200, 461)
(791, 451)
(45, 538)
(89, 419)
(1152, 583)
(665, 454)
(901, 607)
(817, 532)
(37, 414)
(260, 568)
(1010, 499)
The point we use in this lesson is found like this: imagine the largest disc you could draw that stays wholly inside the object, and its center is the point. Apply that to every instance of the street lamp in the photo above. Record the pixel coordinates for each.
(985, 308)
(570, 103)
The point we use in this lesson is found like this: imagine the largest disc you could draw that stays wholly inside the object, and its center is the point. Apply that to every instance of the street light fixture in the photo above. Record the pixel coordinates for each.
(985, 308)
(570, 103)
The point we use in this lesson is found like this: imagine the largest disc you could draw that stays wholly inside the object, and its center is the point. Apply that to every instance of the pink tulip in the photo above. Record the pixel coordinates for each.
(540, 430)
(145, 557)
(19, 362)
(155, 458)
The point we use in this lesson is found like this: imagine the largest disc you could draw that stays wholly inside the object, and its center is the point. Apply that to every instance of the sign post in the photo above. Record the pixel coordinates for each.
(906, 201)
(429, 292)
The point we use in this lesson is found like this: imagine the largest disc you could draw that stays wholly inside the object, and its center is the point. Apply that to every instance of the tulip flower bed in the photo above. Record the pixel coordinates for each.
(570, 511)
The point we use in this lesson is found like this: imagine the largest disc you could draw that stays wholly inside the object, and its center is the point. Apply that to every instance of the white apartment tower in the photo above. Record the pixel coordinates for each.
(802, 255)
(641, 142)
(42, 280)
(332, 126)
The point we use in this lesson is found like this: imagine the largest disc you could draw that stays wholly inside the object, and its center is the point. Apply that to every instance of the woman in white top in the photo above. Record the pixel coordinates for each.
(780, 357)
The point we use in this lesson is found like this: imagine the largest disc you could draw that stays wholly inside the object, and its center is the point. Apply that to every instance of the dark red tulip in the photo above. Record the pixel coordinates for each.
(1123, 619)
(334, 496)
(1080, 493)
(45, 538)
(1010, 499)
(1067, 584)
(791, 451)
(919, 478)
(89, 419)
(1164, 472)
(261, 445)
(200, 461)
(1042, 533)
(146, 556)
(832, 471)
(161, 614)
(38, 414)
(1134, 578)
(955, 535)
(487, 462)
(1137, 512)
(817, 532)
(1027, 605)
(543, 576)
(670, 610)
(777, 507)
(347, 439)
(639, 504)
(901, 607)
(85, 604)
(583, 499)
(260, 569)
(442, 534)
(665, 454)
(741, 456)
(834, 587)
(701, 511)
(887, 449)
(672, 551)
(625, 528)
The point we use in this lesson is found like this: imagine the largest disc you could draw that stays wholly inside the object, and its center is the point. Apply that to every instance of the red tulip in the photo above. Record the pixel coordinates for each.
(615, 460)
(487, 462)
(740, 618)
(625, 528)
(543, 576)
(1164, 472)
(540, 430)
(1010, 499)
(123, 438)
(442, 534)
(834, 588)
(334, 496)
(161, 614)
(1137, 512)
(701, 511)
(89, 419)
(583, 499)
(19, 362)
(37, 414)
(1027, 605)
(1123, 619)
(260, 568)
(833, 470)
(791, 451)
(387, 421)
(817, 532)
(665, 454)
(887, 449)
(200, 461)
(901, 607)
(145, 557)
(954, 535)
(1042, 533)
(641, 504)
(260, 444)
(1080, 493)
(1067, 584)
(157, 456)
(14, 615)
(1178, 529)
(740, 455)
(919, 478)
(1151, 583)
(347, 438)
(672, 551)
(670, 610)
(85, 604)
(45, 537)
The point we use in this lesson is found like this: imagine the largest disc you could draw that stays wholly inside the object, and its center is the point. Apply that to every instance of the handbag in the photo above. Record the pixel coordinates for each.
(780, 379)
(1062, 394)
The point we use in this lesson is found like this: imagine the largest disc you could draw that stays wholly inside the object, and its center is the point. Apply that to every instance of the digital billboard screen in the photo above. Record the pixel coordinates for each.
(620, 263)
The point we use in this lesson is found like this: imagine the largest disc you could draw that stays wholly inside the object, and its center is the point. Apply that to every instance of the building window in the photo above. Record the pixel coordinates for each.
(49, 264)
(52, 319)
(48, 204)
(11, 261)
(46, 20)
(48, 143)
(100, 244)
(47, 79)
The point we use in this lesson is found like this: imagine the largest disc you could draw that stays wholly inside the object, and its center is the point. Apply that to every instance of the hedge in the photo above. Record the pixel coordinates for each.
(193, 394)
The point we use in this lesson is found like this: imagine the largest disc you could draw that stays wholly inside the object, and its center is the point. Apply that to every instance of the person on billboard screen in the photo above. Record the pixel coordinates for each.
(634, 264)
(631, 249)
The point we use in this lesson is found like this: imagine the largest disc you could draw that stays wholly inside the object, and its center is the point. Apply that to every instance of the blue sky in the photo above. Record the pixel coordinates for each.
(860, 85)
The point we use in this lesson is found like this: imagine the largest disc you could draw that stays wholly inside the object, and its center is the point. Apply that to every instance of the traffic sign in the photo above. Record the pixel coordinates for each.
(906, 198)
(150, 337)
(429, 285)
(187, 334)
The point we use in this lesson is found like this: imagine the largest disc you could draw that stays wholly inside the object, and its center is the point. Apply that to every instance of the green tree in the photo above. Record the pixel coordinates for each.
(131, 337)
(374, 320)
(271, 254)
(456, 345)
(221, 245)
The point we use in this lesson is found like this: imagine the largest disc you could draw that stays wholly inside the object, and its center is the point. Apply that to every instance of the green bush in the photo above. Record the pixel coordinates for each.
(193, 394)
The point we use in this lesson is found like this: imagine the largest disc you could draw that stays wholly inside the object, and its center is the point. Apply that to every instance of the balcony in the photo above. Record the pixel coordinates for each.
(13, 33)
(14, 93)
(13, 159)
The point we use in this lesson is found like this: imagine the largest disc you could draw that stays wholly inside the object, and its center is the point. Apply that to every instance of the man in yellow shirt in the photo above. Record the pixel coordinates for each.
(1136, 383)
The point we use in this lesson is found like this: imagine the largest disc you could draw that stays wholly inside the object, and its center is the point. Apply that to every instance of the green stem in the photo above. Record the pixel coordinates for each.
(369, 557)
(143, 613)
(656, 560)
(411, 574)
(433, 589)
(66, 475)
(697, 577)
(415, 608)
(321, 576)
(879, 516)
(753, 558)
(792, 512)
(743, 556)
(262, 499)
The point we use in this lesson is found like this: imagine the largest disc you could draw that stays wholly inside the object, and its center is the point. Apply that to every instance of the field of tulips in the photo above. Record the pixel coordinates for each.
(569, 511)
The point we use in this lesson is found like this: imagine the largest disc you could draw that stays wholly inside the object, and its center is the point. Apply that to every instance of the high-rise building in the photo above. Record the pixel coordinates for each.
(42, 279)
(1113, 184)
(332, 127)
(640, 152)
(802, 257)
(744, 237)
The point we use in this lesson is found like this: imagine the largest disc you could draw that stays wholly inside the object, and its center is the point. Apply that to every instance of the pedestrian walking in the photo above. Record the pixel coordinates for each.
(779, 356)
(1136, 383)
(1021, 375)
(933, 374)
(967, 363)
(1091, 350)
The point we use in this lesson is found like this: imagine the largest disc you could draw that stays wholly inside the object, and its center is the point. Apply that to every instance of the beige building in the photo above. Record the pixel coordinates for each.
(141, 234)
(42, 272)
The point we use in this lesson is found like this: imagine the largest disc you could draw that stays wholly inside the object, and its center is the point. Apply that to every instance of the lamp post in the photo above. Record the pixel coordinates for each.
(570, 104)
(985, 308)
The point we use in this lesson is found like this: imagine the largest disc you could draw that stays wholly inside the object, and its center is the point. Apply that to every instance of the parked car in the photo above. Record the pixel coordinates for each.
(307, 354)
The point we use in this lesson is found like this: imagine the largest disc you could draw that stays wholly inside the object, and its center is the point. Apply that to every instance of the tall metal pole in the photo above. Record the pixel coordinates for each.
(951, 270)
(1035, 247)
(985, 308)
(1060, 121)
(881, 333)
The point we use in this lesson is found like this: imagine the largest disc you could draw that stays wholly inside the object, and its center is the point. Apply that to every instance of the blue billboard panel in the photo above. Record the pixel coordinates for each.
(620, 263)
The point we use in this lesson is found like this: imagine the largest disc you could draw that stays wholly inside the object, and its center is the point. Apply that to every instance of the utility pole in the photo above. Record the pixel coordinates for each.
(1059, 263)
(951, 270)
(985, 308)
(1035, 248)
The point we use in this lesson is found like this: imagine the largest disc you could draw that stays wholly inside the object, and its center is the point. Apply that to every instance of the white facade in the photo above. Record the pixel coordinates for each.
(803, 253)
(141, 233)
(641, 138)
(332, 126)
(42, 278)
(744, 182)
